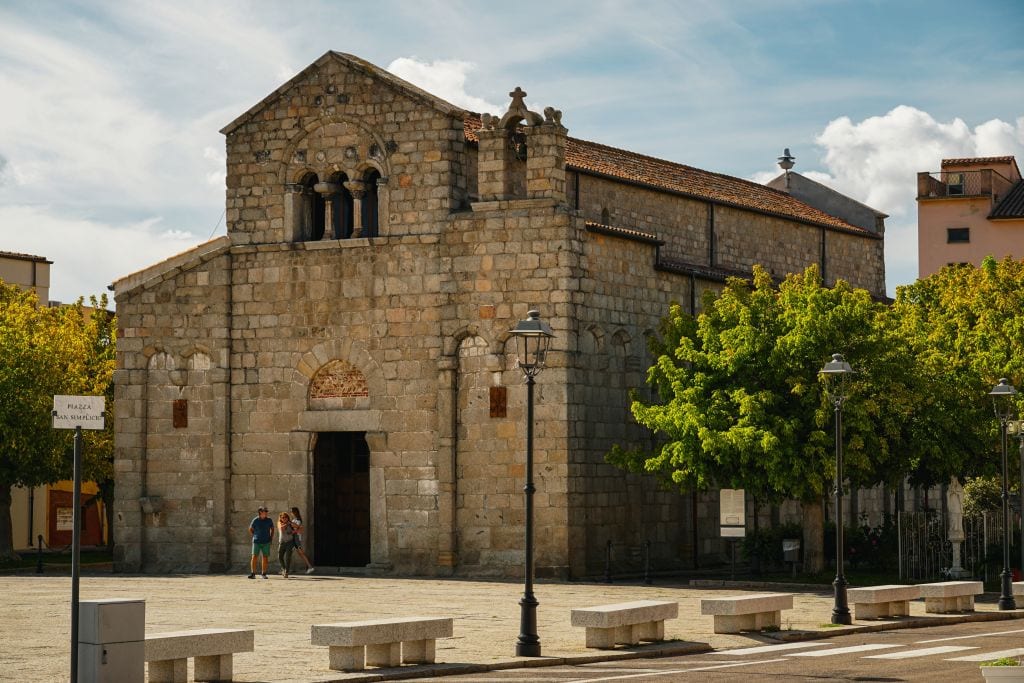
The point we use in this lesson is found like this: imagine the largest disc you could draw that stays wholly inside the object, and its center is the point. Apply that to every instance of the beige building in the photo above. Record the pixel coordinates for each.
(46, 510)
(345, 347)
(970, 209)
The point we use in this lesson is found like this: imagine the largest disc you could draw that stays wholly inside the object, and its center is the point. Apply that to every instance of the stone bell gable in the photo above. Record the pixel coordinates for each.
(345, 348)
(342, 151)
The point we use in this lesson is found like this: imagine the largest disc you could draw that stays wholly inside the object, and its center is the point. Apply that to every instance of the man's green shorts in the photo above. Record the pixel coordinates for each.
(260, 549)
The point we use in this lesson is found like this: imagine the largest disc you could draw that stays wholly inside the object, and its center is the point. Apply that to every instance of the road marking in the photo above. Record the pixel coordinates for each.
(672, 672)
(989, 656)
(924, 652)
(770, 648)
(978, 635)
(842, 650)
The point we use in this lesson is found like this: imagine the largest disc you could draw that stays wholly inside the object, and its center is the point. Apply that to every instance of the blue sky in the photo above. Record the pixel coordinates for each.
(111, 160)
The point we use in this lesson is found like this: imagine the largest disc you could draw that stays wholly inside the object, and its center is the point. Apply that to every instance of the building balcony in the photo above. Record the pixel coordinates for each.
(960, 184)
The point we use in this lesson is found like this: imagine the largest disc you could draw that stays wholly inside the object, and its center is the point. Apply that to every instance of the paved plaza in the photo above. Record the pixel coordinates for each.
(35, 633)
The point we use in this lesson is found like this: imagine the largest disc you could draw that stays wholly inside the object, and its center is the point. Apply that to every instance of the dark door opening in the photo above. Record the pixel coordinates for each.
(341, 499)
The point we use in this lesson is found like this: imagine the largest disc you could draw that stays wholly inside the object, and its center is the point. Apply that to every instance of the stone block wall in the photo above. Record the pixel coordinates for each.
(337, 119)
(172, 470)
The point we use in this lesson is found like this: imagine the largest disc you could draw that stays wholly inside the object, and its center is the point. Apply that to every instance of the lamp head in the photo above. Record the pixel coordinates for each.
(835, 374)
(1002, 395)
(533, 337)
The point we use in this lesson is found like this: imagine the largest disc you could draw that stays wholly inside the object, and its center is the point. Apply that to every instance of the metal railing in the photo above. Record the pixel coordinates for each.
(952, 184)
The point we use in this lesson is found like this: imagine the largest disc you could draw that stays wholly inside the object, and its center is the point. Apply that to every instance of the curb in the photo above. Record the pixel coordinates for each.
(668, 649)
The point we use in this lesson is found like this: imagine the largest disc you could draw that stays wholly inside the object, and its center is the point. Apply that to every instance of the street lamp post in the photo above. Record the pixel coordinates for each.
(835, 374)
(1002, 406)
(532, 338)
(1016, 428)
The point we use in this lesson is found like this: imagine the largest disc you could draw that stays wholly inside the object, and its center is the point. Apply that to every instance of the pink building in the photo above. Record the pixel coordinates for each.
(970, 209)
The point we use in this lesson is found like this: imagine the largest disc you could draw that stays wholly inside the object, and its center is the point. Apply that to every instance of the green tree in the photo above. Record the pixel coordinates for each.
(740, 403)
(966, 329)
(45, 352)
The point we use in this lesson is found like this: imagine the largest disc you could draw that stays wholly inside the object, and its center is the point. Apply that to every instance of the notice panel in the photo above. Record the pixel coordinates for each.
(78, 411)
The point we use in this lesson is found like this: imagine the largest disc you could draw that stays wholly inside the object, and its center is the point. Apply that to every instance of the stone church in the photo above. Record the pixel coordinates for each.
(345, 347)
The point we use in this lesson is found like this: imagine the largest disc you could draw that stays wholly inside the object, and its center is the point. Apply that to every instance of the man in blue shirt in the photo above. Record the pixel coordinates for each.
(261, 528)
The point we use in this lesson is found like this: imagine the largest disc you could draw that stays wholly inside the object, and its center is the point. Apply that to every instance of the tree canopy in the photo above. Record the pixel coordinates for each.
(45, 352)
(740, 403)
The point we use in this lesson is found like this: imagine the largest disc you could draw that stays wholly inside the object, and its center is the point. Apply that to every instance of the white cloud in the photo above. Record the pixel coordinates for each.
(444, 78)
(88, 255)
(876, 161)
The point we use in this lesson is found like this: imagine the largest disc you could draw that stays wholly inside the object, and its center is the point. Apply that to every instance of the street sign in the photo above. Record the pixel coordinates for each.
(732, 513)
(78, 411)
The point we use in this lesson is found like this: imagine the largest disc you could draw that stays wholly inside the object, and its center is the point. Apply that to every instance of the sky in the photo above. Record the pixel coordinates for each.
(111, 158)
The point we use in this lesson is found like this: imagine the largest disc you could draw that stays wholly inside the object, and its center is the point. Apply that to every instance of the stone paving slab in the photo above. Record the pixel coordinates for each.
(35, 628)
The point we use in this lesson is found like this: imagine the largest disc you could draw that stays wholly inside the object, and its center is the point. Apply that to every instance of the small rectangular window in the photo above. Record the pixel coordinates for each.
(958, 235)
(955, 184)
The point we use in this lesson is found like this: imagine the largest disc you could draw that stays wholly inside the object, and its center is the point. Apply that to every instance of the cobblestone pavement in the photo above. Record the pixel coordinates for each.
(35, 618)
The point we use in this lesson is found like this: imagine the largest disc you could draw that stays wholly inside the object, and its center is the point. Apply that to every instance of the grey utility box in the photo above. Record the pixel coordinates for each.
(791, 550)
(111, 641)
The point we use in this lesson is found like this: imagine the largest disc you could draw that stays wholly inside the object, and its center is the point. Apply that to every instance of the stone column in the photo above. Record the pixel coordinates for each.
(446, 401)
(380, 556)
(295, 210)
(358, 190)
(328, 191)
(955, 506)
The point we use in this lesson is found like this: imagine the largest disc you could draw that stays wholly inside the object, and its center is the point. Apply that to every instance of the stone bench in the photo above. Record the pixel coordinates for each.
(381, 642)
(875, 602)
(747, 612)
(625, 622)
(1018, 590)
(950, 596)
(212, 649)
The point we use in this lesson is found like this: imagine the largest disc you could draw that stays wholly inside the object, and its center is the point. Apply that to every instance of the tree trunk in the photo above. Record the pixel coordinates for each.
(7, 553)
(814, 537)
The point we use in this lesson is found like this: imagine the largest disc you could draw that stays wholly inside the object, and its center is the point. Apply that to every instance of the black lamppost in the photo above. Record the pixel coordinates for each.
(532, 338)
(1002, 405)
(1016, 428)
(835, 374)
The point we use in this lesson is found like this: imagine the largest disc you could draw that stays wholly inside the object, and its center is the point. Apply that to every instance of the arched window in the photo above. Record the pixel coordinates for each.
(313, 209)
(370, 204)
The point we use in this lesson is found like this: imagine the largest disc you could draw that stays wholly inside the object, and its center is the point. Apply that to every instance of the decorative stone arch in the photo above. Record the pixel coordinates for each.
(198, 357)
(340, 362)
(344, 214)
(593, 340)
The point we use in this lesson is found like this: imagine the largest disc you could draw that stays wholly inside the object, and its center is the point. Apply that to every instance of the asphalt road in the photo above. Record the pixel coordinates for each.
(939, 654)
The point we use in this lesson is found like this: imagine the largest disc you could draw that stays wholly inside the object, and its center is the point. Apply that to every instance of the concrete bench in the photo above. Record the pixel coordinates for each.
(212, 649)
(747, 612)
(950, 596)
(624, 622)
(1018, 590)
(875, 602)
(381, 642)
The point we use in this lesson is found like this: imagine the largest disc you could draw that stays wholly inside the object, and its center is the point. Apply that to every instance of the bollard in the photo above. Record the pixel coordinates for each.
(647, 562)
(608, 562)
(39, 555)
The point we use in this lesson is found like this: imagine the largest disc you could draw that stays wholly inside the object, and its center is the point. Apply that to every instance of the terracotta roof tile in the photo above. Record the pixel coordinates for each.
(24, 257)
(625, 233)
(1012, 205)
(656, 173)
(977, 161)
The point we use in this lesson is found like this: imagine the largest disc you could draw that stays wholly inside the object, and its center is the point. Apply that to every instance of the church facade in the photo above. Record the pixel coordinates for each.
(345, 347)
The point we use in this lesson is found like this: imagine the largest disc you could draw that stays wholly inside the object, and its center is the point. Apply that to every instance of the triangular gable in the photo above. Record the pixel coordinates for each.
(186, 260)
(356, 64)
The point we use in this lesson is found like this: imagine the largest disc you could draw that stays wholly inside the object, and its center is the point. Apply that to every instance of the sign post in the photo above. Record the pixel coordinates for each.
(732, 518)
(78, 413)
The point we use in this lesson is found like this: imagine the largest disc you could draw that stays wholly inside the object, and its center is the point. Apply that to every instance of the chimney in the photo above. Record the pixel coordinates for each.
(786, 162)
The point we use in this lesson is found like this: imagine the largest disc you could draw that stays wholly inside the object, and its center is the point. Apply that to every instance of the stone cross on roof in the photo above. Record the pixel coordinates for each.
(518, 112)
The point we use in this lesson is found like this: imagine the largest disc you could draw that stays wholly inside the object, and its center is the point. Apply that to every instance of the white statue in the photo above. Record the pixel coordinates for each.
(955, 506)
